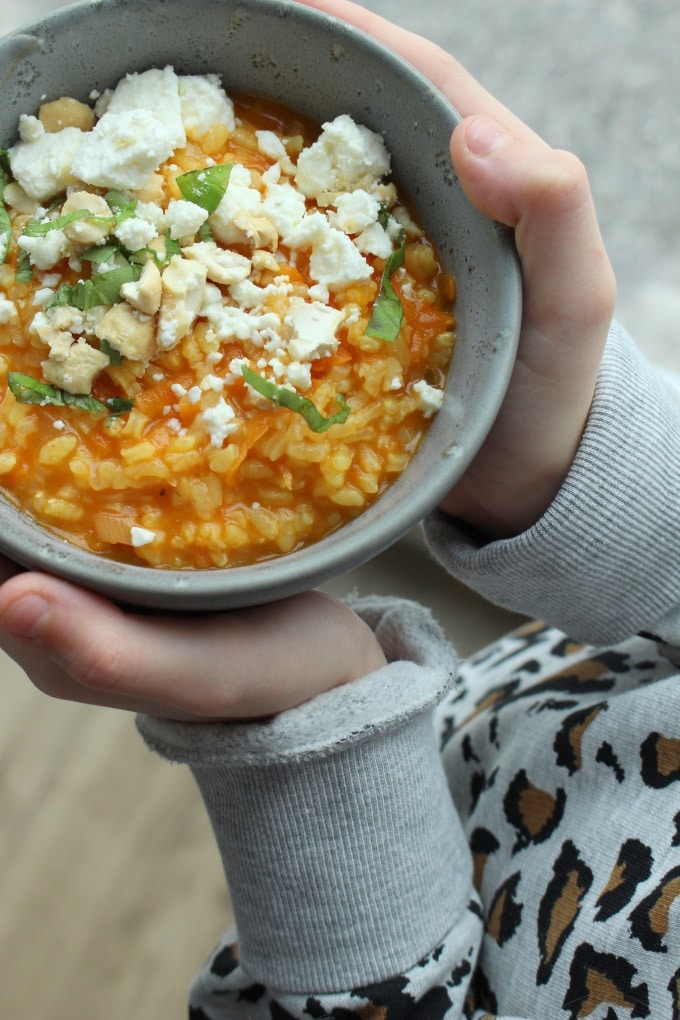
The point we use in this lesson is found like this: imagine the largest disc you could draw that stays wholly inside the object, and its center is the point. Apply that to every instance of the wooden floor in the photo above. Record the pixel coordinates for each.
(111, 890)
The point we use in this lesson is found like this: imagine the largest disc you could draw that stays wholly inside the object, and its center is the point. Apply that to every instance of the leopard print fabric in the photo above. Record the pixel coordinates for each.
(562, 762)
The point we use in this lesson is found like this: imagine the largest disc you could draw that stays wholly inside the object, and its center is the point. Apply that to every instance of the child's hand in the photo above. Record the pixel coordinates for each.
(244, 664)
(511, 175)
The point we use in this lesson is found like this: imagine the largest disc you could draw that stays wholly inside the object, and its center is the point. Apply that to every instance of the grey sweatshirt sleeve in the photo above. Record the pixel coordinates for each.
(604, 560)
(342, 851)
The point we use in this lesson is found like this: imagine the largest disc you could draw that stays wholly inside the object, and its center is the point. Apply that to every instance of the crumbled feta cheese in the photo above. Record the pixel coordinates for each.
(272, 146)
(355, 210)
(374, 240)
(429, 398)
(346, 156)
(141, 536)
(204, 105)
(122, 150)
(212, 382)
(239, 198)
(313, 327)
(155, 91)
(135, 233)
(30, 128)
(285, 207)
(336, 262)
(183, 290)
(299, 376)
(220, 421)
(222, 266)
(8, 310)
(43, 296)
(43, 167)
(184, 219)
(44, 252)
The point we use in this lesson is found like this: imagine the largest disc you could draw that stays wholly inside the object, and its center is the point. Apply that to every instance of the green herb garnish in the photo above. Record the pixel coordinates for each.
(27, 390)
(387, 314)
(24, 273)
(39, 228)
(102, 289)
(5, 222)
(114, 356)
(303, 405)
(205, 187)
(123, 207)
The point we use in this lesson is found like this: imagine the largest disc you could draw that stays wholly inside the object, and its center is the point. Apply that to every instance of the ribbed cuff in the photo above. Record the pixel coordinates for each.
(604, 560)
(343, 854)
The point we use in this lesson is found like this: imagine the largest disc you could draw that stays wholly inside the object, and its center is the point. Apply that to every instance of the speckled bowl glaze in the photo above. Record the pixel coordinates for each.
(322, 68)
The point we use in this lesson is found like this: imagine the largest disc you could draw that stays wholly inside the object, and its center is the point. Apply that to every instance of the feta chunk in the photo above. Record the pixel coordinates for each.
(240, 198)
(184, 219)
(355, 210)
(44, 252)
(220, 421)
(313, 327)
(156, 91)
(43, 166)
(141, 536)
(269, 144)
(183, 288)
(8, 310)
(135, 233)
(204, 104)
(285, 207)
(122, 150)
(336, 262)
(222, 266)
(429, 398)
(346, 156)
(30, 128)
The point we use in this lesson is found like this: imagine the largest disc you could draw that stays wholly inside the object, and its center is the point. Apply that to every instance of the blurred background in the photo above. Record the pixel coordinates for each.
(110, 888)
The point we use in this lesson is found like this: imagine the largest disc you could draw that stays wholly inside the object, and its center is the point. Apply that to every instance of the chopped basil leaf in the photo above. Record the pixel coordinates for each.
(205, 187)
(37, 228)
(5, 222)
(100, 253)
(102, 289)
(172, 246)
(27, 390)
(24, 273)
(387, 314)
(123, 208)
(114, 356)
(303, 405)
(205, 233)
(383, 216)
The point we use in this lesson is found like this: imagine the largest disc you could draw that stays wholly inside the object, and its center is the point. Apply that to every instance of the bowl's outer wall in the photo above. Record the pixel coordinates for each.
(321, 68)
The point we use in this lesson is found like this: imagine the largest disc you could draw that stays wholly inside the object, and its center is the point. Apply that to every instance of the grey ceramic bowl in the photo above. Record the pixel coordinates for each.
(322, 68)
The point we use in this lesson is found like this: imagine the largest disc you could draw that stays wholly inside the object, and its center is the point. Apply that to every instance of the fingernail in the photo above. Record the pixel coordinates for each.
(23, 617)
(484, 136)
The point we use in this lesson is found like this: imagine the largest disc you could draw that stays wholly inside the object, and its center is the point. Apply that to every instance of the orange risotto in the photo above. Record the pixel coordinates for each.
(222, 334)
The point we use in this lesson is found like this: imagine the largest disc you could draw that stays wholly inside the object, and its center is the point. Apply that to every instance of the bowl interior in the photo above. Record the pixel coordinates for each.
(322, 68)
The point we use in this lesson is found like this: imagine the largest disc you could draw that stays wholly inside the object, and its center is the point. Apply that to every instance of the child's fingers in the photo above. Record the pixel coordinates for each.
(77, 646)
(544, 195)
